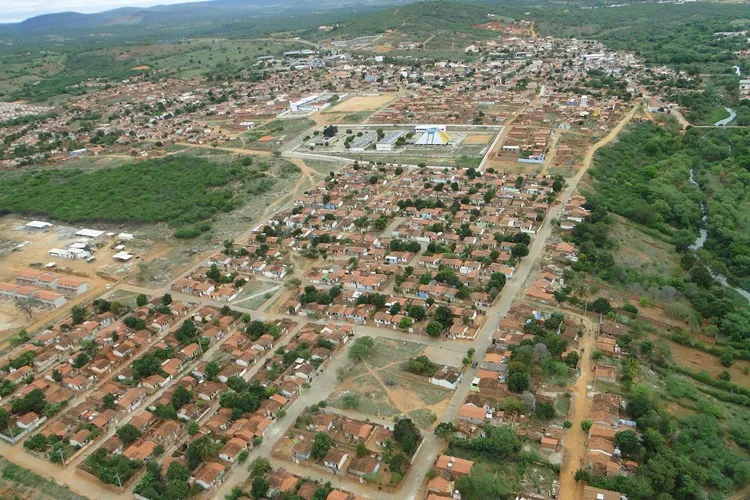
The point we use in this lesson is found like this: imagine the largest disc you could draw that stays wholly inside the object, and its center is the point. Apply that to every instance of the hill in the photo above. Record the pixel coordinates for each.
(421, 19)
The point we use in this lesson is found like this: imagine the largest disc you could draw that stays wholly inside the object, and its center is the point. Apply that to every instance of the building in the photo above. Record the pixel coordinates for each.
(70, 253)
(389, 140)
(91, 234)
(591, 493)
(434, 137)
(122, 256)
(361, 143)
(454, 466)
(37, 225)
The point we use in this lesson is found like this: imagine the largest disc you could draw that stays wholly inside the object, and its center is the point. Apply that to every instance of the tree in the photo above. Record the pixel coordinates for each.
(361, 348)
(361, 450)
(416, 312)
(518, 382)
(514, 406)
(482, 484)
(193, 427)
(201, 450)
(128, 433)
(166, 299)
(445, 429)
(259, 488)
(628, 443)
(601, 305)
(330, 131)
(260, 467)
(444, 315)
(586, 425)
(321, 444)
(212, 370)
(350, 400)
(78, 315)
(398, 463)
(108, 402)
(727, 358)
(544, 410)
(519, 250)
(181, 397)
(435, 329)
(572, 359)
(406, 434)
(405, 323)
(557, 186)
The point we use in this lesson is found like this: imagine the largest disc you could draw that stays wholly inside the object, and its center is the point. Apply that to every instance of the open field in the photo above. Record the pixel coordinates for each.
(478, 139)
(386, 390)
(362, 103)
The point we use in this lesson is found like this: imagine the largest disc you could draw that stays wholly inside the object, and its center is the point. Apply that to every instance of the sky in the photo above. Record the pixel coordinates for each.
(13, 11)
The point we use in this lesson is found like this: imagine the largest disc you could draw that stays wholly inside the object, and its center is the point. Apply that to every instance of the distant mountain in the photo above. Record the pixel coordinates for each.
(197, 12)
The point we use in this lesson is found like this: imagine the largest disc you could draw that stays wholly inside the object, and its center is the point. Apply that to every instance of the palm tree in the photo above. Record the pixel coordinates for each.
(387, 449)
(207, 448)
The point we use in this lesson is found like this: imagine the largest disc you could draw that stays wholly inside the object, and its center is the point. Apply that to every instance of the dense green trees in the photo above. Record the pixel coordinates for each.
(181, 192)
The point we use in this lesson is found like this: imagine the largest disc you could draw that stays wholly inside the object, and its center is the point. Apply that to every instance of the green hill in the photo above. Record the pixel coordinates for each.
(421, 19)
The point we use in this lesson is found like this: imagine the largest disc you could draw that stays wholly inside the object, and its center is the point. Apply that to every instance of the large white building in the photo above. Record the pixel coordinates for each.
(434, 137)
(389, 140)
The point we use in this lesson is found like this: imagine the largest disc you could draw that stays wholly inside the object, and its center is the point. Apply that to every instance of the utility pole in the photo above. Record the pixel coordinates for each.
(118, 481)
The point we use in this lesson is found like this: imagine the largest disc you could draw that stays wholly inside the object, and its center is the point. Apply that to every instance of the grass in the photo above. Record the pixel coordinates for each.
(357, 117)
(286, 129)
(323, 167)
(423, 418)
(641, 251)
(717, 114)
(44, 488)
(386, 351)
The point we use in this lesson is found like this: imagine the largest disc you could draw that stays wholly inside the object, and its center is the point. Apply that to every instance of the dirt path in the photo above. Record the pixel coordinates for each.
(574, 444)
(550, 158)
(680, 118)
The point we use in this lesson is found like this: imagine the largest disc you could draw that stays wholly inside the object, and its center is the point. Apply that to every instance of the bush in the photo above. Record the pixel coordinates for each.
(586, 425)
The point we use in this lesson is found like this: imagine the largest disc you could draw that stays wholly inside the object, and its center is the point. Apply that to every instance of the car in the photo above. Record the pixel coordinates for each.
(474, 364)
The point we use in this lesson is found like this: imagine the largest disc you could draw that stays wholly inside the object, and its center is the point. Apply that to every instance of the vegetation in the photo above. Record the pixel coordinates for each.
(184, 192)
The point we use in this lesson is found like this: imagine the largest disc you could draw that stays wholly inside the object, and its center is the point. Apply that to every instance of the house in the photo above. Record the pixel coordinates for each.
(143, 451)
(473, 414)
(454, 466)
(363, 466)
(549, 444)
(29, 421)
(207, 474)
(606, 373)
(80, 438)
(335, 459)
(447, 378)
(440, 486)
(232, 449)
(357, 431)
(302, 449)
(591, 493)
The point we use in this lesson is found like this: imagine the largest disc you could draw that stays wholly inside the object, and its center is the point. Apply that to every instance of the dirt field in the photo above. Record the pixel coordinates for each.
(363, 103)
(385, 390)
(698, 361)
(477, 139)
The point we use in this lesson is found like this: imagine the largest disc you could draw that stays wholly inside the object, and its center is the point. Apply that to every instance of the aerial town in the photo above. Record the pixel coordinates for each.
(406, 308)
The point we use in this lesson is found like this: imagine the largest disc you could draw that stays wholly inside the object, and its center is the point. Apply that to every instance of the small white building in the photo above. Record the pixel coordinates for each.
(122, 256)
(70, 253)
(91, 234)
(37, 225)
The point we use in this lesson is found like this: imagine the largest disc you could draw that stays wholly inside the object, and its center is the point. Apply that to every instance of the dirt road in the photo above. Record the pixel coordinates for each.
(574, 444)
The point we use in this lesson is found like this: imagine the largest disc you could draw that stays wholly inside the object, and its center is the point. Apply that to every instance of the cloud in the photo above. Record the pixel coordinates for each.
(14, 11)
